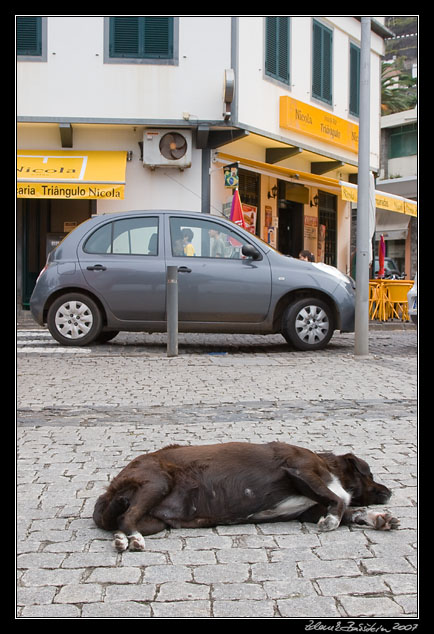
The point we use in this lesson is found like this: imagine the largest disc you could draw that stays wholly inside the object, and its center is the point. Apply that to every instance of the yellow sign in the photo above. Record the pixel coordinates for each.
(410, 208)
(349, 193)
(306, 119)
(65, 190)
(70, 174)
(382, 201)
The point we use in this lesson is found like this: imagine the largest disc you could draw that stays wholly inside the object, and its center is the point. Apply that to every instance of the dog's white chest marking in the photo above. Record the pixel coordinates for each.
(296, 504)
(291, 506)
(336, 487)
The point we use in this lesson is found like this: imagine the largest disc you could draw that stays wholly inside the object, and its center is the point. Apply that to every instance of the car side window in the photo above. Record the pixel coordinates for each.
(132, 236)
(204, 239)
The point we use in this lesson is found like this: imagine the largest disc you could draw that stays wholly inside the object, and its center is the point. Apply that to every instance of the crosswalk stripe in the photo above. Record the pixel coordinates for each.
(41, 342)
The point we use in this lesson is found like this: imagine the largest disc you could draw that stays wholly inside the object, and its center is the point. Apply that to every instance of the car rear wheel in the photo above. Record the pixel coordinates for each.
(308, 324)
(74, 320)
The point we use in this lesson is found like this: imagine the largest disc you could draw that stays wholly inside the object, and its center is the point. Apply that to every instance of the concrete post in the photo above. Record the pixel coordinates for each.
(361, 343)
(172, 311)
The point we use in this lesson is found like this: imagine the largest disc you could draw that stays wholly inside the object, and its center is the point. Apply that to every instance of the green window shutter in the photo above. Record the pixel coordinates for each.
(322, 61)
(354, 80)
(29, 35)
(158, 37)
(141, 37)
(277, 47)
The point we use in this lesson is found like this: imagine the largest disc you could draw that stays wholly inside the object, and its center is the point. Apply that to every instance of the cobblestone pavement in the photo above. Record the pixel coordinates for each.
(83, 414)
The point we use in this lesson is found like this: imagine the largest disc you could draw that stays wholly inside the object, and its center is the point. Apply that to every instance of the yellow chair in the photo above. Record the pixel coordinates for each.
(377, 305)
(396, 304)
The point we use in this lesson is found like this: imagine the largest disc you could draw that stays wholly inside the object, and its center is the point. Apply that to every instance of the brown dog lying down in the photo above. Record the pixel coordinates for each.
(237, 483)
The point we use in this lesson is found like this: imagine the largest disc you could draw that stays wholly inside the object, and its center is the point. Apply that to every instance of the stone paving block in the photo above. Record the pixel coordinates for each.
(222, 573)
(125, 592)
(182, 609)
(351, 585)
(316, 569)
(106, 610)
(53, 611)
(290, 588)
(182, 591)
(375, 607)
(273, 571)
(401, 583)
(79, 593)
(235, 591)
(244, 609)
(114, 575)
(378, 565)
(162, 574)
(308, 607)
(241, 555)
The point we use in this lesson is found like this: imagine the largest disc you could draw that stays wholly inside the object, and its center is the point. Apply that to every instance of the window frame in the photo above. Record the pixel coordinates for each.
(325, 30)
(205, 241)
(164, 61)
(399, 138)
(113, 236)
(42, 57)
(275, 76)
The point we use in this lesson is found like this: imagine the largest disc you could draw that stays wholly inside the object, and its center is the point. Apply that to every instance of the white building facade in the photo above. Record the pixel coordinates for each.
(145, 112)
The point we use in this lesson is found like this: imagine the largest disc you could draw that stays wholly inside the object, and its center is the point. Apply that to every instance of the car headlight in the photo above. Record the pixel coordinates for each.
(342, 278)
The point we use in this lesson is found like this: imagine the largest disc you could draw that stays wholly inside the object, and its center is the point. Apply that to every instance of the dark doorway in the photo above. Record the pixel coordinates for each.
(327, 216)
(290, 241)
(41, 224)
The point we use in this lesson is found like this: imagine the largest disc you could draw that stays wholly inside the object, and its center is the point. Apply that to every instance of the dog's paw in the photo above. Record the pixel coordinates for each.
(384, 521)
(120, 542)
(137, 542)
(328, 523)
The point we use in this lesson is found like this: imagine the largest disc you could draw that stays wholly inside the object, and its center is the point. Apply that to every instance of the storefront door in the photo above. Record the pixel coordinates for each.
(290, 241)
(327, 216)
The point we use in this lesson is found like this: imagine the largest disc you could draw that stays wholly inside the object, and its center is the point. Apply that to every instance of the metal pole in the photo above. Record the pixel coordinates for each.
(361, 344)
(172, 311)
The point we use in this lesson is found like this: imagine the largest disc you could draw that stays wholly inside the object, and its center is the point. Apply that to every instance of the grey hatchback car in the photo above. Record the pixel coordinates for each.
(109, 275)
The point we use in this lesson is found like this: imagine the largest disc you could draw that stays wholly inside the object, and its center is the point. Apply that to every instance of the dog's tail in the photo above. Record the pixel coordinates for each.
(107, 511)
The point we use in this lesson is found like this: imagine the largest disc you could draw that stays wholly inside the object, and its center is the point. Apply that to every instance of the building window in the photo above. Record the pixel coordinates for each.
(30, 37)
(403, 141)
(277, 48)
(140, 39)
(354, 80)
(322, 45)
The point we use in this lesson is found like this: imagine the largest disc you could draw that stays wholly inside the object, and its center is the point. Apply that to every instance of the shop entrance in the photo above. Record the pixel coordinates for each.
(41, 225)
(290, 241)
(327, 215)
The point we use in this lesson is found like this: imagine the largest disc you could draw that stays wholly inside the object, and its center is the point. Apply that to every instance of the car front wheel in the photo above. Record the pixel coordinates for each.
(74, 320)
(308, 324)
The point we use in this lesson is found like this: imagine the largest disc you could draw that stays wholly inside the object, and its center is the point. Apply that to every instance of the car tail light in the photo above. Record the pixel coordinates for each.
(42, 271)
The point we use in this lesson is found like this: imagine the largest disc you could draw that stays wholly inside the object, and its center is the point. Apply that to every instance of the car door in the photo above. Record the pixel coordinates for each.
(123, 261)
(216, 282)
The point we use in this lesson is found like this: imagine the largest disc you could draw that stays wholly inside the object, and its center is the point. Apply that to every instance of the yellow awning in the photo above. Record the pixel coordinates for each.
(275, 170)
(383, 200)
(75, 174)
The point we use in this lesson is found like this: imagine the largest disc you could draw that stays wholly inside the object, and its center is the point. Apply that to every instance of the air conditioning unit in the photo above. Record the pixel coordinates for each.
(167, 148)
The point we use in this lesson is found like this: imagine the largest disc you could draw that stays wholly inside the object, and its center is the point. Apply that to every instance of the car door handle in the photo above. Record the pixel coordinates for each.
(97, 267)
(184, 269)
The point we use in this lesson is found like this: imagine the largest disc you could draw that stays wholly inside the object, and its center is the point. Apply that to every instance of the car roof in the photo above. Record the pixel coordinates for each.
(140, 212)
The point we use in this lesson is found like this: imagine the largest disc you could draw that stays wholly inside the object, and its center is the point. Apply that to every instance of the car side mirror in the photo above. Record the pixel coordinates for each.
(250, 251)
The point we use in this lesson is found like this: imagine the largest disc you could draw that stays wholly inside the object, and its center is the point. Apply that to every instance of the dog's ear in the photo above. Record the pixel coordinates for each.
(358, 464)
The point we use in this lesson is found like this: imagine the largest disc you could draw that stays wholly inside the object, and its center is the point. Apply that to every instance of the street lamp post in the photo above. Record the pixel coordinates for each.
(361, 342)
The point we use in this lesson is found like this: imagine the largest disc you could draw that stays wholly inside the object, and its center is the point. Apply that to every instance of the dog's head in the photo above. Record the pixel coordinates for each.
(364, 490)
